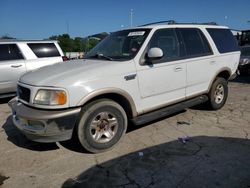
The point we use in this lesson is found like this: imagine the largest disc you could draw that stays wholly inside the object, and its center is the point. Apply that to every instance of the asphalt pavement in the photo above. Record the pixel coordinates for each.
(194, 148)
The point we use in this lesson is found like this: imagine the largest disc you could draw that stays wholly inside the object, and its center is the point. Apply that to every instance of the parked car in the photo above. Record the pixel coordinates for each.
(18, 57)
(244, 65)
(137, 74)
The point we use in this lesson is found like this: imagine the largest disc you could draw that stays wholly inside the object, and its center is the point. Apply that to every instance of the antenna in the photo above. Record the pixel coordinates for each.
(131, 17)
(67, 25)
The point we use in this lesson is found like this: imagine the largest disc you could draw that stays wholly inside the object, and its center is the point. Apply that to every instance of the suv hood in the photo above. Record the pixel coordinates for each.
(68, 73)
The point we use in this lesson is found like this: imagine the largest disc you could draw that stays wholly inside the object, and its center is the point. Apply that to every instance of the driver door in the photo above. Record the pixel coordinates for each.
(162, 81)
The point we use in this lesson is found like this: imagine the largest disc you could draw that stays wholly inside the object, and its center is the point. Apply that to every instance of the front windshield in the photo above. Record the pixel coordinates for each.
(245, 51)
(121, 45)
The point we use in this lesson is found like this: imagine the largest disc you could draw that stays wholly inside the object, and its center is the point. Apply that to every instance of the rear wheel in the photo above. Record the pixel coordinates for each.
(101, 125)
(218, 94)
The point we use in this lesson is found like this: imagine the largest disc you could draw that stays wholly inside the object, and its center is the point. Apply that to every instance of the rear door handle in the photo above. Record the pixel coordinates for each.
(176, 69)
(15, 66)
(212, 62)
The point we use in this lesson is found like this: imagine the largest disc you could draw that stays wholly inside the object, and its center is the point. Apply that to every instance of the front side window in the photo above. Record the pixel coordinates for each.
(195, 42)
(9, 52)
(121, 45)
(224, 40)
(44, 49)
(167, 41)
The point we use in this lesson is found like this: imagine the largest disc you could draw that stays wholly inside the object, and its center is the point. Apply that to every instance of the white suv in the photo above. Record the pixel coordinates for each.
(18, 57)
(137, 74)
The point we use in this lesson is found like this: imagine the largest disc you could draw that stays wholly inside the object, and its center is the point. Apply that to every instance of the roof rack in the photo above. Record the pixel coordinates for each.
(194, 23)
(170, 22)
(160, 22)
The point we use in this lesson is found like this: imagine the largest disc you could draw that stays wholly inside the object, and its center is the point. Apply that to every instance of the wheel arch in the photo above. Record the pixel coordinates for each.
(223, 73)
(118, 95)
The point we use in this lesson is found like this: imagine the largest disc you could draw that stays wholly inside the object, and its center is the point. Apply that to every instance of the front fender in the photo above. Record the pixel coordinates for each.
(107, 91)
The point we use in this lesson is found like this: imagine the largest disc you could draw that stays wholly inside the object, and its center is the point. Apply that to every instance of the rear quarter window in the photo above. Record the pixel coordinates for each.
(224, 40)
(44, 49)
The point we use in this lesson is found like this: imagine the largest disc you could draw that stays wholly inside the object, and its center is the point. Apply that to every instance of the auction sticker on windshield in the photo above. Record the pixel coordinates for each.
(136, 33)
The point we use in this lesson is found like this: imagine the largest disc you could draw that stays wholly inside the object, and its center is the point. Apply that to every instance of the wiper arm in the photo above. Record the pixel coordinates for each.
(101, 56)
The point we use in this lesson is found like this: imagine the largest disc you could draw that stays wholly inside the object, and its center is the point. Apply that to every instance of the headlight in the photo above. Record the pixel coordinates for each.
(50, 97)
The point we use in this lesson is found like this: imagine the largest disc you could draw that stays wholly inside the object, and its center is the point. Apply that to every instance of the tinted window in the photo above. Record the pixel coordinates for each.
(44, 49)
(224, 40)
(195, 42)
(9, 52)
(120, 45)
(166, 40)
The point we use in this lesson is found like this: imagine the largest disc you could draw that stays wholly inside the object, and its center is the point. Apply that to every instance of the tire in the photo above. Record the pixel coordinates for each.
(218, 93)
(101, 125)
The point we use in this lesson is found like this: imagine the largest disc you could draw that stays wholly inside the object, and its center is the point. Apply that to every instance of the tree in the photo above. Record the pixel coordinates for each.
(77, 44)
(6, 36)
(65, 42)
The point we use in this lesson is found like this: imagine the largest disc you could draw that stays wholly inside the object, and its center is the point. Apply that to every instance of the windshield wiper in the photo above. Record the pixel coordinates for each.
(101, 56)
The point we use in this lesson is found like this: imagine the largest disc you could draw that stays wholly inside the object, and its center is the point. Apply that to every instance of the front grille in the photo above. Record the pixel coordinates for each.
(23, 93)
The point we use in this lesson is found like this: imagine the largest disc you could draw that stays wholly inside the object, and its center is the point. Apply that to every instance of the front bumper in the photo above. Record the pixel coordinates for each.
(44, 125)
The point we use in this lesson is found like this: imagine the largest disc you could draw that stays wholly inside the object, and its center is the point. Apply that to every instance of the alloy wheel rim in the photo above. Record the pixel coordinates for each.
(219, 94)
(103, 127)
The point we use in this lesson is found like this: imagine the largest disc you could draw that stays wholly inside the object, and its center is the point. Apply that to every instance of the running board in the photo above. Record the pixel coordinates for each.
(163, 112)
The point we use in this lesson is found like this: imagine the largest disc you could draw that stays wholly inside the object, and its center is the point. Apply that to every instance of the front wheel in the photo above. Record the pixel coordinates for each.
(101, 125)
(218, 94)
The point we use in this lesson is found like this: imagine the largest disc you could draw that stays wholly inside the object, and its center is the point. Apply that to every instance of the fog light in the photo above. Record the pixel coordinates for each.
(36, 124)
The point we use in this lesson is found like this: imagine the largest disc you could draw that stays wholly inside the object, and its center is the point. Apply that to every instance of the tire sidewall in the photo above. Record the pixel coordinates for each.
(213, 104)
(87, 115)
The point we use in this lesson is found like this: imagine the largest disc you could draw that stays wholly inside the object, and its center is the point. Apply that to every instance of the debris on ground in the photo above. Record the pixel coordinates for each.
(183, 123)
(184, 139)
(140, 154)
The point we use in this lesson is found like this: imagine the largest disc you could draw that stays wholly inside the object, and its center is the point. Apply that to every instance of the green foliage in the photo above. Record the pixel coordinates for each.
(65, 42)
(77, 44)
(6, 36)
(91, 43)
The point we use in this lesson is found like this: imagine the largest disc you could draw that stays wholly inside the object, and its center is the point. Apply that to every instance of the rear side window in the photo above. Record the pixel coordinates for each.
(44, 49)
(195, 42)
(224, 40)
(9, 52)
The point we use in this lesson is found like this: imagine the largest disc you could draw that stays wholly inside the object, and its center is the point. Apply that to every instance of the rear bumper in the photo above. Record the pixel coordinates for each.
(44, 125)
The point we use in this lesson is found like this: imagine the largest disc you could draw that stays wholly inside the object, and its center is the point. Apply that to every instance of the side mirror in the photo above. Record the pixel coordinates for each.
(155, 53)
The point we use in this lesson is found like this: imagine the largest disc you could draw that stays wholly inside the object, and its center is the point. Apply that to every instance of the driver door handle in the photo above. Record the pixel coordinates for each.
(16, 66)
